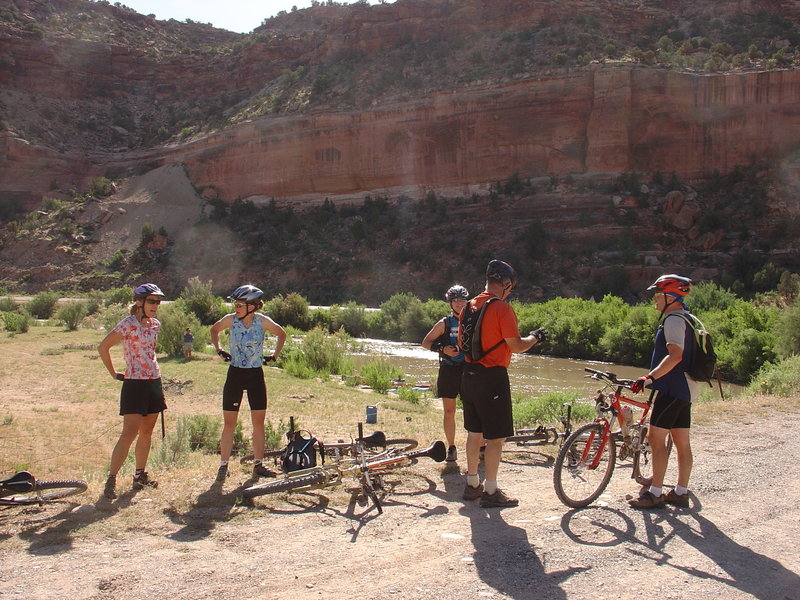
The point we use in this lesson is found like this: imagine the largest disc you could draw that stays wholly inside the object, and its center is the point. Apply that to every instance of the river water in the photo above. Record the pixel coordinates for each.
(531, 374)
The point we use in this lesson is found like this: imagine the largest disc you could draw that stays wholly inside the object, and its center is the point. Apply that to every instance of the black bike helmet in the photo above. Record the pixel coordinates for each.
(248, 293)
(501, 271)
(147, 289)
(671, 284)
(457, 292)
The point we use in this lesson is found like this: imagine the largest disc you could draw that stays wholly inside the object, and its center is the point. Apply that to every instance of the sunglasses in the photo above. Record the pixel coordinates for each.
(239, 304)
(155, 301)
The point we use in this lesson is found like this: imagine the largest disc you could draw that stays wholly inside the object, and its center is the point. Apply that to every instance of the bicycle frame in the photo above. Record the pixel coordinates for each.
(617, 399)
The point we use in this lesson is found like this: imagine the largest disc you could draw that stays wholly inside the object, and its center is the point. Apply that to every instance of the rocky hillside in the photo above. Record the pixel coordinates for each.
(627, 137)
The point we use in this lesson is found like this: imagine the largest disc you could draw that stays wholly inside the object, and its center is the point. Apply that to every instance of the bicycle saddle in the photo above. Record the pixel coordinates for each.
(19, 482)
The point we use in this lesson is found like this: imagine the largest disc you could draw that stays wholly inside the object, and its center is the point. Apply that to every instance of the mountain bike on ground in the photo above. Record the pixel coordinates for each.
(24, 488)
(356, 459)
(543, 435)
(587, 458)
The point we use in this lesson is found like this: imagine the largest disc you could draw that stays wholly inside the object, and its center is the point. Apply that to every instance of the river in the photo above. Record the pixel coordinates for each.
(530, 374)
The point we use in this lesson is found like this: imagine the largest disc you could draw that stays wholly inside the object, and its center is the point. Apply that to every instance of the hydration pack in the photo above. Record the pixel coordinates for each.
(301, 452)
(703, 364)
(471, 322)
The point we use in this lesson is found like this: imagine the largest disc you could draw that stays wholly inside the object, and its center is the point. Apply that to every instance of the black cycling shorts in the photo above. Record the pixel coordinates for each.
(486, 396)
(448, 383)
(141, 397)
(239, 380)
(671, 413)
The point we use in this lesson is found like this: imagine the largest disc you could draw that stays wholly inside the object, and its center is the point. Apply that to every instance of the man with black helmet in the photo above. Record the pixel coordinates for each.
(247, 329)
(674, 391)
(485, 388)
(443, 338)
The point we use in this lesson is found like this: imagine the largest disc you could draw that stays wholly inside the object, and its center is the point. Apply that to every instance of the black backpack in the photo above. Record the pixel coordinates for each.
(301, 452)
(471, 321)
(703, 365)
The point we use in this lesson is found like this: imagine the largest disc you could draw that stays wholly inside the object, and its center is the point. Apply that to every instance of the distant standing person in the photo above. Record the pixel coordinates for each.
(188, 342)
(142, 397)
(247, 329)
(674, 392)
(485, 388)
(443, 338)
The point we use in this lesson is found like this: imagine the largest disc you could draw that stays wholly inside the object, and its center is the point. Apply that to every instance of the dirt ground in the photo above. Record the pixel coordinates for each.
(738, 539)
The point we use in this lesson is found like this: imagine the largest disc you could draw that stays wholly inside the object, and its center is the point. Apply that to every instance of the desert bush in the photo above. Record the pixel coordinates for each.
(318, 354)
(198, 299)
(379, 374)
(72, 314)
(7, 304)
(352, 317)
(289, 309)
(42, 305)
(781, 378)
(16, 322)
(175, 318)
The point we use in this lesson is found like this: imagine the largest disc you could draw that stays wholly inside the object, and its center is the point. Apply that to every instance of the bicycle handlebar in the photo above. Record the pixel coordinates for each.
(609, 377)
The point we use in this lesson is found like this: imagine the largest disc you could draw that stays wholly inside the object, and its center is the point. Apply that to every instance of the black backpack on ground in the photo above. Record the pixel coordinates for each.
(471, 322)
(703, 365)
(301, 452)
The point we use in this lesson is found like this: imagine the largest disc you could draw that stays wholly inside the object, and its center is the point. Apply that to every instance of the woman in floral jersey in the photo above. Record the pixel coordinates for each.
(141, 398)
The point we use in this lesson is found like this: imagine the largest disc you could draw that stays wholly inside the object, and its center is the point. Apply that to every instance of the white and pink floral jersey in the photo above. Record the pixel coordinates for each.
(139, 348)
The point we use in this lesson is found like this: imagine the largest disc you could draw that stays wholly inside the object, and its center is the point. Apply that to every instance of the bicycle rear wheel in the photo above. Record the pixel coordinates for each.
(308, 480)
(584, 466)
(643, 459)
(45, 491)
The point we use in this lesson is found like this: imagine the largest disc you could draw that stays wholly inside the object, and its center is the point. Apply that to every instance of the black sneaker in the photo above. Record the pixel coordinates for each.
(142, 480)
(452, 454)
(222, 472)
(498, 500)
(259, 470)
(110, 490)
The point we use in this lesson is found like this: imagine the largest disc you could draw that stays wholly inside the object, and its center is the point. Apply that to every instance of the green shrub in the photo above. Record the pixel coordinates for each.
(42, 305)
(401, 318)
(289, 309)
(547, 409)
(112, 314)
(275, 436)
(203, 432)
(781, 378)
(120, 295)
(409, 395)
(7, 304)
(379, 374)
(787, 331)
(318, 354)
(352, 317)
(199, 299)
(175, 318)
(72, 314)
(16, 322)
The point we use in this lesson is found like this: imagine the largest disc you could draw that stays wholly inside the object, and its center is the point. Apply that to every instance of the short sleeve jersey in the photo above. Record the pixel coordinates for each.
(499, 322)
(677, 383)
(247, 343)
(139, 347)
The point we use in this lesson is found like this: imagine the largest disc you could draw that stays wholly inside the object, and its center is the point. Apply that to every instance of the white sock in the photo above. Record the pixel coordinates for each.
(490, 487)
(681, 491)
(656, 491)
(223, 463)
(473, 480)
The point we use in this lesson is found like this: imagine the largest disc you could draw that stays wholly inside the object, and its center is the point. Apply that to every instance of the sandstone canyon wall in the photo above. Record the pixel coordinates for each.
(602, 120)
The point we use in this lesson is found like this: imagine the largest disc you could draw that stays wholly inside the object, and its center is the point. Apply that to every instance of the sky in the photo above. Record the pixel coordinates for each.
(234, 15)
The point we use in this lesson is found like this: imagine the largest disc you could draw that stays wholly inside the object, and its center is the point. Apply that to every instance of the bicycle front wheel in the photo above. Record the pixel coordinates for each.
(584, 466)
(45, 491)
(309, 480)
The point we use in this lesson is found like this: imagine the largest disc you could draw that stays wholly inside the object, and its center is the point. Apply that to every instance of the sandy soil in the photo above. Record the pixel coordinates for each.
(738, 539)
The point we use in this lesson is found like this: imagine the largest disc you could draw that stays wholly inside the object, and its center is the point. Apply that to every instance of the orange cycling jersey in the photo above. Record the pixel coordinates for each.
(499, 322)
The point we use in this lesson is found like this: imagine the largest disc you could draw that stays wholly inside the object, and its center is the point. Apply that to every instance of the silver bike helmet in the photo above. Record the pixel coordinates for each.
(457, 292)
(247, 293)
(147, 289)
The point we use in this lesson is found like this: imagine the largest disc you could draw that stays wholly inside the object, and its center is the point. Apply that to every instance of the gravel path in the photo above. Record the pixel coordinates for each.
(738, 540)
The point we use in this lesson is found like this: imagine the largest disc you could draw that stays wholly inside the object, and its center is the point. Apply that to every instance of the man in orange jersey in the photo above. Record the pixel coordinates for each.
(485, 389)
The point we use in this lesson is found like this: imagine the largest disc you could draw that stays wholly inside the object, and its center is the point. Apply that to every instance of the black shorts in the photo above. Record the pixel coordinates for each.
(237, 382)
(671, 413)
(141, 397)
(448, 383)
(486, 395)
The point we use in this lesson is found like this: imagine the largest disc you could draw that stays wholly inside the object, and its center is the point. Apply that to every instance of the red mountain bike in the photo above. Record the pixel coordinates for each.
(586, 461)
